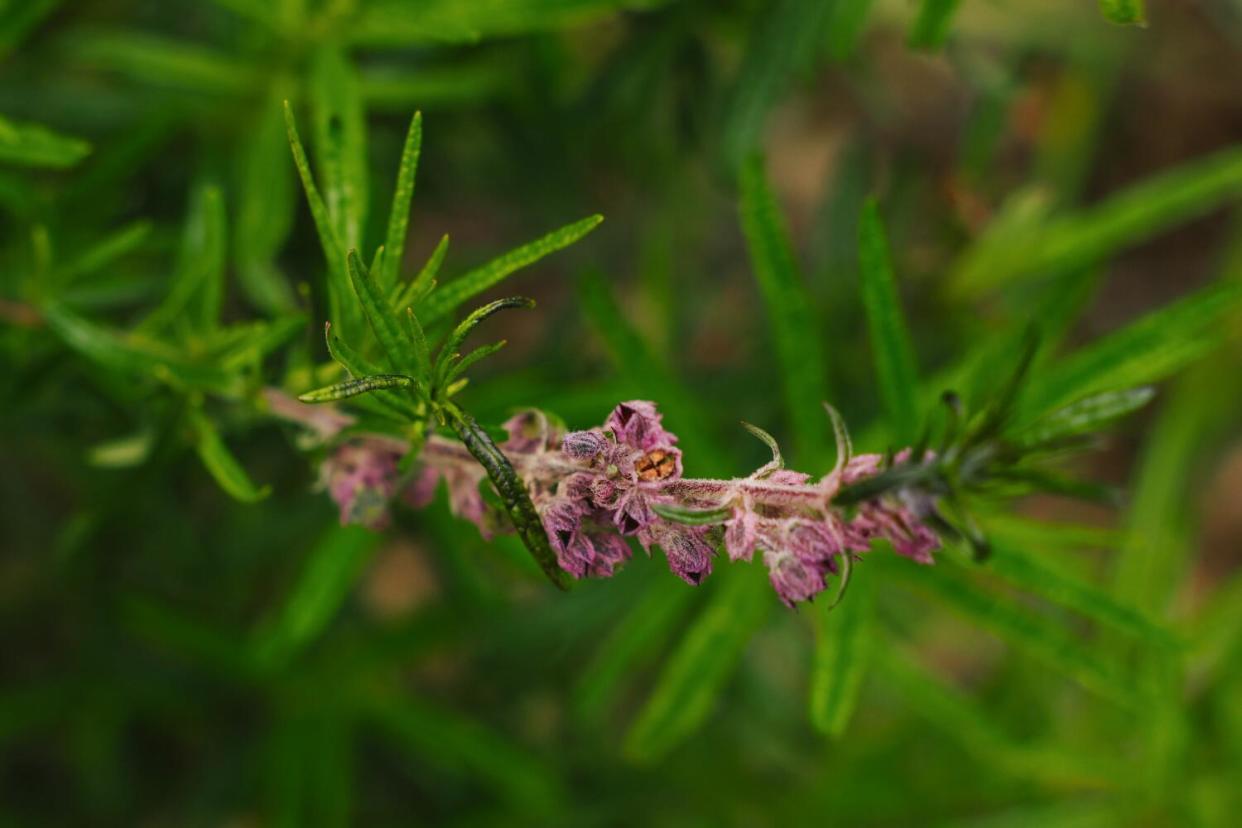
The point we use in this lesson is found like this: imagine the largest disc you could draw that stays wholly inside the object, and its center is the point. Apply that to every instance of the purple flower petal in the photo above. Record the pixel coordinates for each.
(637, 424)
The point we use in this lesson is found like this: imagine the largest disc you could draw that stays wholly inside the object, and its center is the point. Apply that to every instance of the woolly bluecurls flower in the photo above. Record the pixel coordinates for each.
(361, 477)
(597, 487)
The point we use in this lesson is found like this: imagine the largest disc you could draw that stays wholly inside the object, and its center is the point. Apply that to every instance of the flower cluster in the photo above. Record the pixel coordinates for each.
(597, 488)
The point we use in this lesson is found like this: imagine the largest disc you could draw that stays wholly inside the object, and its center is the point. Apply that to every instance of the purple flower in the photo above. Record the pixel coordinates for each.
(361, 478)
(637, 423)
(465, 499)
(793, 578)
(741, 534)
(689, 555)
(584, 445)
(530, 431)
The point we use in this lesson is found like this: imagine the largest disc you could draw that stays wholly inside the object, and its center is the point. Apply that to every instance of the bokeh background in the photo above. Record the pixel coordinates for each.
(171, 656)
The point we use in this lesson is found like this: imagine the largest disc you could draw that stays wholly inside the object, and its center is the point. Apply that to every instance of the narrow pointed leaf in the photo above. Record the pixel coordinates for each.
(795, 332)
(843, 638)
(31, 145)
(398, 350)
(777, 461)
(221, 463)
(352, 388)
(692, 517)
(399, 214)
(405, 296)
(443, 301)
(694, 676)
(340, 144)
(890, 339)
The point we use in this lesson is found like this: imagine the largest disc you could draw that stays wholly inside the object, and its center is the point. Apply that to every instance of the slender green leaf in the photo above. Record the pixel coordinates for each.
(799, 349)
(1043, 637)
(1006, 253)
(331, 569)
(1142, 352)
(846, 24)
(1035, 574)
(692, 680)
(400, 22)
(692, 517)
(412, 293)
(221, 463)
(165, 63)
(843, 643)
(397, 405)
(890, 340)
(19, 19)
(387, 329)
(931, 25)
(1158, 537)
(137, 354)
(105, 252)
(31, 145)
(449, 351)
(783, 41)
(962, 719)
(1088, 414)
(777, 462)
(450, 743)
(340, 306)
(354, 387)
(443, 301)
(340, 144)
(1124, 12)
(264, 206)
(196, 295)
(640, 632)
(399, 214)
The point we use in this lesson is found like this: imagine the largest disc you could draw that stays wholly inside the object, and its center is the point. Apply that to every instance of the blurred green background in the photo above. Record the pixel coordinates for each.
(170, 655)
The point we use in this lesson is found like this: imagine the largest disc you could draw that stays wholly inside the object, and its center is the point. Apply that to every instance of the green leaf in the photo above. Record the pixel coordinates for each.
(221, 463)
(105, 252)
(31, 145)
(843, 639)
(401, 22)
(340, 304)
(890, 340)
(420, 285)
(799, 349)
(1124, 12)
(264, 206)
(1044, 638)
(18, 20)
(931, 26)
(137, 354)
(692, 517)
(447, 298)
(340, 144)
(845, 26)
(449, 351)
(332, 567)
(451, 743)
(962, 719)
(777, 462)
(1036, 245)
(1087, 415)
(692, 680)
(641, 632)
(165, 63)
(354, 387)
(398, 349)
(397, 405)
(1032, 573)
(1158, 544)
(399, 214)
(512, 492)
(196, 295)
(782, 42)
(1146, 350)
